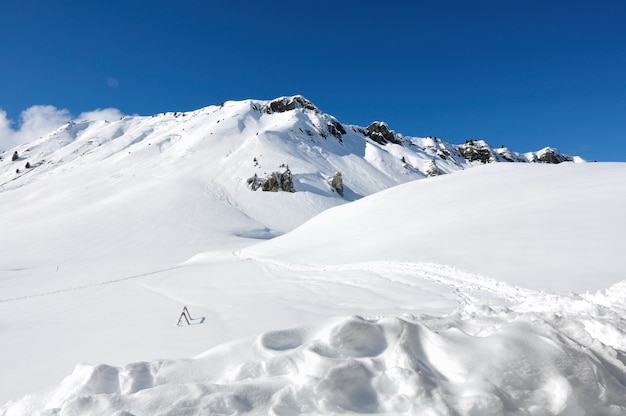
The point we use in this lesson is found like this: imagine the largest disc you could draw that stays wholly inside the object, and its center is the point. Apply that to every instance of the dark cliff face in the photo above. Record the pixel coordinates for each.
(336, 129)
(473, 151)
(283, 104)
(380, 133)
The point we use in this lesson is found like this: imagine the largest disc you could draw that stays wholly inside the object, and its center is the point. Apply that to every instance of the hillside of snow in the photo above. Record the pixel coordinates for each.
(95, 177)
(492, 290)
(523, 224)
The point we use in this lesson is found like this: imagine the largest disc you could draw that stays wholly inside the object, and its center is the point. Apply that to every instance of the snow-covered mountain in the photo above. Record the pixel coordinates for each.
(492, 290)
(249, 144)
(219, 159)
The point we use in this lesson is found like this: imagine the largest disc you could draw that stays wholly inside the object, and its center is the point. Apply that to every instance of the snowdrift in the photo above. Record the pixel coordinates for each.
(477, 361)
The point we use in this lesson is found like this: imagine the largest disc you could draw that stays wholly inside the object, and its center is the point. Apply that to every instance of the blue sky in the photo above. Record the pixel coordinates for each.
(521, 74)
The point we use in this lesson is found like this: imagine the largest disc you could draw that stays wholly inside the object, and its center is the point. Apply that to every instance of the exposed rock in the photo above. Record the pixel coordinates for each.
(273, 182)
(443, 153)
(337, 183)
(254, 182)
(336, 129)
(553, 156)
(506, 154)
(359, 130)
(270, 184)
(473, 151)
(283, 104)
(286, 181)
(380, 133)
(432, 169)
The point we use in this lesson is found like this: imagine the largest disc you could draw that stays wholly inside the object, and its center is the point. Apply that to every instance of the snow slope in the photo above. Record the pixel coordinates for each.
(449, 295)
(546, 227)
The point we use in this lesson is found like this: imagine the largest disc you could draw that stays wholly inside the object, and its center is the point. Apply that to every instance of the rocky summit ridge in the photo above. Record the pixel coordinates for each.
(285, 144)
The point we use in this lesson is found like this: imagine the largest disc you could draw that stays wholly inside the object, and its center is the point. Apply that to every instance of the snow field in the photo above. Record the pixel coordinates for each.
(547, 227)
(497, 290)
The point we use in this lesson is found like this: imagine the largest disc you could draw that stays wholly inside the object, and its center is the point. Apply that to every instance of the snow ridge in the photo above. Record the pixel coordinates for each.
(287, 131)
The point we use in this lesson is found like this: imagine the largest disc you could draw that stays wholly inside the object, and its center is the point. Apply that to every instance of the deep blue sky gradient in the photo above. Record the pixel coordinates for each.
(522, 74)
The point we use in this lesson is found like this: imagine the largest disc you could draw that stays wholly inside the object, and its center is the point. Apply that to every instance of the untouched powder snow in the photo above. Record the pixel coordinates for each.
(498, 290)
(548, 227)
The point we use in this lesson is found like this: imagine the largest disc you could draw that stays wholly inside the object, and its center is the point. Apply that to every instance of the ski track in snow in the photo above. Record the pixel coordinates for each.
(87, 286)
(406, 273)
(463, 283)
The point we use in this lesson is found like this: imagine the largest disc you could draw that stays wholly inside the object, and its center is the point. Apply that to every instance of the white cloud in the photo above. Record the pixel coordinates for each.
(38, 120)
(41, 119)
(108, 114)
(34, 122)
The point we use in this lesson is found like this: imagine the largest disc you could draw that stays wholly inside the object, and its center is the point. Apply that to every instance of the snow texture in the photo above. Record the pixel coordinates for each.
(491, 289)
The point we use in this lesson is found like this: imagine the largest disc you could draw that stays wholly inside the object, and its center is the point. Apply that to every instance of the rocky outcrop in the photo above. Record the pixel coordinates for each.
(283, 104)
(273, 182)
(253, 182)
(476, 150)
(380, 133)
(552, 156)
(337, 183)
(336, 129)
(432, 169)
(509, 156)
(286, 181)
(270, 184)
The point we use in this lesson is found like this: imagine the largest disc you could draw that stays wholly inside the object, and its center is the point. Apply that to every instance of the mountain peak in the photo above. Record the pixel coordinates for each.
(249, 142)
(283, 104)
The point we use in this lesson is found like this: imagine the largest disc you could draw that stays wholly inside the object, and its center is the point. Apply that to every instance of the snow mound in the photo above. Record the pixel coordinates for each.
(479, 360)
